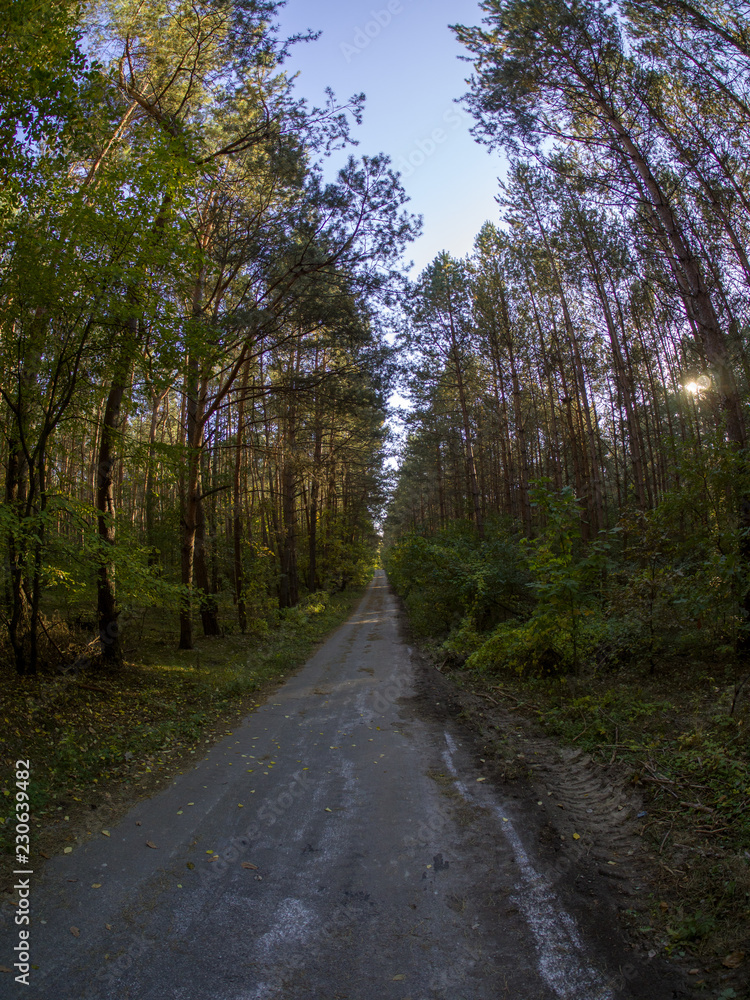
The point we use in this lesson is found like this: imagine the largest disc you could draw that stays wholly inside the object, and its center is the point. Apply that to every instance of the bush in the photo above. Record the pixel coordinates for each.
(451, 577)
(540, 647)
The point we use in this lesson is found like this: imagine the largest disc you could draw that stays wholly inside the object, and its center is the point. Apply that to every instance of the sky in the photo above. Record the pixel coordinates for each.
(402, 55)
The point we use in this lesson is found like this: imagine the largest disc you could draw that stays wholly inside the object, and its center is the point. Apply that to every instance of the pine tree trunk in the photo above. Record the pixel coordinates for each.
(109, 629)
(195, 404)
(208, 607)
(16, 482)
(237, 519)
(313, 582)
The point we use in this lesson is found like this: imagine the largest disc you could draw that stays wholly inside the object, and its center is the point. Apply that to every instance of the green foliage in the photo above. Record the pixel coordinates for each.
(689, 927)
(43, 81)
(71, 561)
(566, 577)
(539, 646)
(451, 576)
(664, 582)
(259, 577)
(680, 578)
(566, 625)
(344, 561)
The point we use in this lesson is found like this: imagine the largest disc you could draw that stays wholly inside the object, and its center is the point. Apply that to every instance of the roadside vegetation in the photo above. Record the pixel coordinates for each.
(624, 657)
(98, 742)
(570, 525)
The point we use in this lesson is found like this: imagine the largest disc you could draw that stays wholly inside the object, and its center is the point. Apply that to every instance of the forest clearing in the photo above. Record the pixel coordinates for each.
(230, 403)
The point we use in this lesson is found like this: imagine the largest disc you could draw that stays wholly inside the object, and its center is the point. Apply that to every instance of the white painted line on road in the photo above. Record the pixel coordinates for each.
(562, 963)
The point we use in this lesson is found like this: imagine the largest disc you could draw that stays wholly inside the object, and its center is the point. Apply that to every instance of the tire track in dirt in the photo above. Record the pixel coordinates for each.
(579, 820)
(585, 798)
(569, 793)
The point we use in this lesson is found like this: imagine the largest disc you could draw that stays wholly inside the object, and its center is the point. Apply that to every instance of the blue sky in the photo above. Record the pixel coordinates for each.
(404, 58)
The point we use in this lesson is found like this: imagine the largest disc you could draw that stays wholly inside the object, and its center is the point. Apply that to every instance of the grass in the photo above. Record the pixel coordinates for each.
(97, 741)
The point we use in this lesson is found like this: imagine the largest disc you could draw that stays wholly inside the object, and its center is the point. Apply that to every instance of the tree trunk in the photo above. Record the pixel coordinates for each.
(685, 265)
(150, 488)
(109, 628)
(209, 610)
(289, 581)
(237, 520)
(313, 582)
(16, 477)
(195, 404)
(468, 446)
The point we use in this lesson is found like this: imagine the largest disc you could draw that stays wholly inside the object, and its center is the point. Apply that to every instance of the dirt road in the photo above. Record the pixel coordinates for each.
(339, 845)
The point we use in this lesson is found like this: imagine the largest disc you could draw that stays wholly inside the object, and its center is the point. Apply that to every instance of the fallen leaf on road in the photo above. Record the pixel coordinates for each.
(248, 864)
(75, 932)
(576, 836)
(44, 854)
(179, 812)
(694, 972)
(96, 885)
(397, 978)
(734, 960)
(481, 779)
(4, 968)
(151, 844)
(328, 810)
(105, 833)
(108, 926)
(190, 865)
(67, 850)
(137, 822)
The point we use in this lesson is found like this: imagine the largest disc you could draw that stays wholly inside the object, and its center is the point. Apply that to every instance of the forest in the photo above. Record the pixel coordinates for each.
(224, 398)
(570, 525)
(575, 458)
(194, 373)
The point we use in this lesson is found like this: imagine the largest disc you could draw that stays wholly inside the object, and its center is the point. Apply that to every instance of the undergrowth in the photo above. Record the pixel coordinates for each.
(624, 647)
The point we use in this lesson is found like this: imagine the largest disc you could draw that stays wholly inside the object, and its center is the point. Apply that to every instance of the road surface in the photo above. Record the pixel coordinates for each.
(336, 846)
